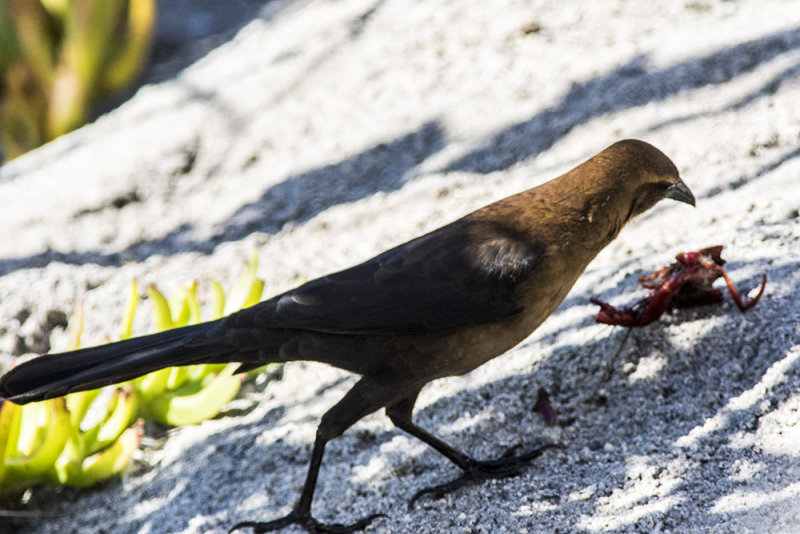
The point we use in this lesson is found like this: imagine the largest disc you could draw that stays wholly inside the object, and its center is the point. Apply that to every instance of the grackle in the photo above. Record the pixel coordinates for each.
(439, 305)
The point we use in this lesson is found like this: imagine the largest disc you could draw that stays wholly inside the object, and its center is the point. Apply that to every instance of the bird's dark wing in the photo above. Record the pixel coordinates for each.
(459, 275)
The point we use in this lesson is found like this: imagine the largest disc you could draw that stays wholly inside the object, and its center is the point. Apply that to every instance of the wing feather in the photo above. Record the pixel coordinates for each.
(463, 274)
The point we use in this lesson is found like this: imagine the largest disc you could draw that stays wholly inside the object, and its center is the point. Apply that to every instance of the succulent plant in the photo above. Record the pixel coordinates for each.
(88, 436)
(70, 440)
(57, 57)
(190, 394)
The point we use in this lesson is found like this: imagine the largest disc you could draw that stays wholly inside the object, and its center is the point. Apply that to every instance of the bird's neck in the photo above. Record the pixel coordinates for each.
(584, 218)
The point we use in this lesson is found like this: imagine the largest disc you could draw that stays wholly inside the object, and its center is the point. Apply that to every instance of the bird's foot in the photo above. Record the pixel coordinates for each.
(507, 465)
(306, 522)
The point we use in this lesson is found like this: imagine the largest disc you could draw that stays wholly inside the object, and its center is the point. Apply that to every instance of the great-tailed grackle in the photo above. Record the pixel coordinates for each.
(439, 305)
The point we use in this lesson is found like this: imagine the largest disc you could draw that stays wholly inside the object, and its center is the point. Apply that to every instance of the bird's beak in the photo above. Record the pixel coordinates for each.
(680, 192)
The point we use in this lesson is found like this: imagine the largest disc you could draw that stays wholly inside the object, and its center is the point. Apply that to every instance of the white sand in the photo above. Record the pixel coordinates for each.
(330, 130)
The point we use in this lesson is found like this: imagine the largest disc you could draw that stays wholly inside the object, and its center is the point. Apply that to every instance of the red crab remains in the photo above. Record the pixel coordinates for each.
(685, 283)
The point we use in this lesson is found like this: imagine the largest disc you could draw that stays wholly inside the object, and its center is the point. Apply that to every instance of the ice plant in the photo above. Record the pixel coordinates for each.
(88, 436)
(57, 57)
(190, 394)
(69, 440)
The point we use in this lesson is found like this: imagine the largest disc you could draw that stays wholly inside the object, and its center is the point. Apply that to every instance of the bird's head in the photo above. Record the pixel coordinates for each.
(616, 185)
(642, 176)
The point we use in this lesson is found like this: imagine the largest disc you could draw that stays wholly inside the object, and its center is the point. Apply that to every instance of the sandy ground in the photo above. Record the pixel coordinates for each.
(326, 131)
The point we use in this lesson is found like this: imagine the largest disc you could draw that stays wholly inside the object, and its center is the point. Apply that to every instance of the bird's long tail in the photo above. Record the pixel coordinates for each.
(54, 375)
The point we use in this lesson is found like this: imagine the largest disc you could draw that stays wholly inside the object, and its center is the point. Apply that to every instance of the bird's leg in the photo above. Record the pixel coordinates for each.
(508, 465)
(358, 402)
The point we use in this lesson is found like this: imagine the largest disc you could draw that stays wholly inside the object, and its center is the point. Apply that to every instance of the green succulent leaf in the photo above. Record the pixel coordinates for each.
(197, 401)
(126, 326)
(35, 457)
(9, 48)
(162, 316)
(108, 462)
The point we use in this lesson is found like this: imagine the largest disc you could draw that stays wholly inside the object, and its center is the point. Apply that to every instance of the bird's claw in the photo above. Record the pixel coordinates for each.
(306, 522)
(503, 467)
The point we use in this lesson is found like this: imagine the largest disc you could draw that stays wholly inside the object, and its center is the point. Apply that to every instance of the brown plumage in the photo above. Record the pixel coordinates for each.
(439, 305)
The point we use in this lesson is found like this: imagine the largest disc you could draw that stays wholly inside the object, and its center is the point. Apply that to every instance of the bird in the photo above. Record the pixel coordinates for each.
(439, 305)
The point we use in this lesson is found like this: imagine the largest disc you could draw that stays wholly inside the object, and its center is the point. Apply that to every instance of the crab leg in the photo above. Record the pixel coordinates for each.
(737, 298)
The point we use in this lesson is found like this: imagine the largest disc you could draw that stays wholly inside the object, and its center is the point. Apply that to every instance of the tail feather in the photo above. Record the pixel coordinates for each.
(54, 375)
